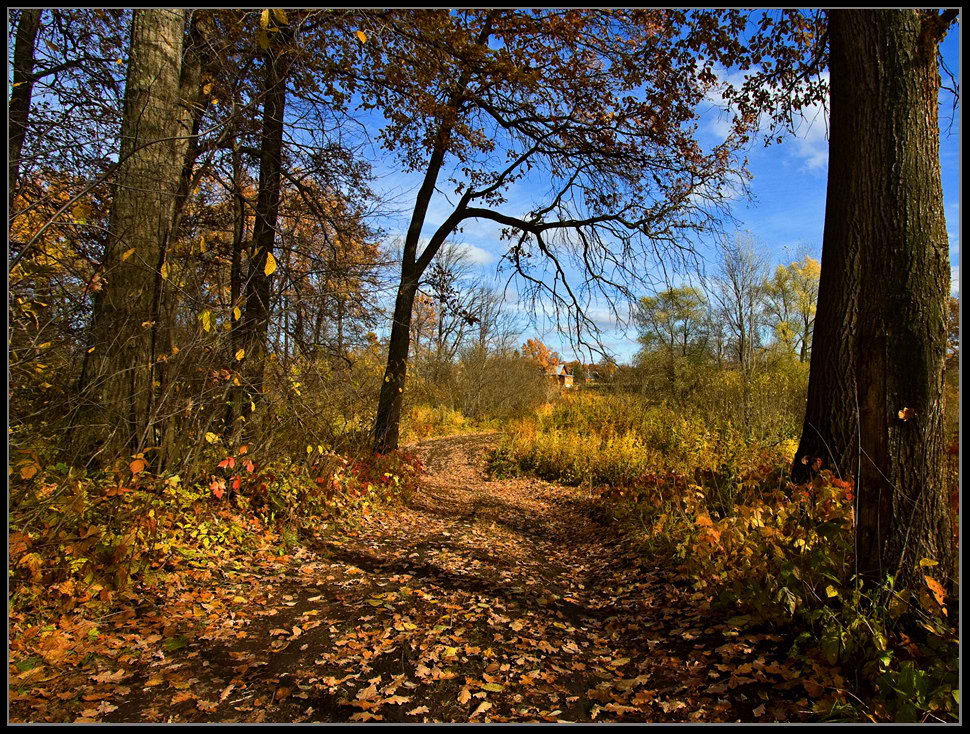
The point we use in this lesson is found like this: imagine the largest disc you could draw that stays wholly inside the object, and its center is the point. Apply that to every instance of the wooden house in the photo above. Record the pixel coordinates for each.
(560, 375)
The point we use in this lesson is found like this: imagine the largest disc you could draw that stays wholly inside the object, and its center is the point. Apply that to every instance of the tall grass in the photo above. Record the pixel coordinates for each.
(711, 495)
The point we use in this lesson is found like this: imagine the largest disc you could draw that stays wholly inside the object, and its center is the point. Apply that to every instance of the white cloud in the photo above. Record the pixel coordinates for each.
(475, 254)
(955, 281)
(811, 137)
(809, 143)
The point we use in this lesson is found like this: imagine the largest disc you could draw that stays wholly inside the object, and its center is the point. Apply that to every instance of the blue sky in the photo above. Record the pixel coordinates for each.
(785, 214)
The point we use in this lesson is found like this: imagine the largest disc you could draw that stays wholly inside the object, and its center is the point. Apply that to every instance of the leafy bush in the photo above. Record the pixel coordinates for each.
(79, 540)
(718, 503)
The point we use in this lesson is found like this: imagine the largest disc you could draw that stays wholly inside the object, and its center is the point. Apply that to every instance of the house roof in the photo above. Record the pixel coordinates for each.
(556, 370)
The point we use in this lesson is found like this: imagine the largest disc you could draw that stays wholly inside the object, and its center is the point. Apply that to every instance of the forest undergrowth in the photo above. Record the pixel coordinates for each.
(700, 497)
(714, 501)
(84, 547)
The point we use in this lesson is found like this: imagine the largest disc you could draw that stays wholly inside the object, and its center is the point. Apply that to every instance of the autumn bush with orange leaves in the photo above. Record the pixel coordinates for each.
(77, 541)
(720, 507)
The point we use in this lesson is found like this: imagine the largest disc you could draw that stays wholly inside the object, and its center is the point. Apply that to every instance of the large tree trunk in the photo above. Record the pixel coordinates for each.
(20, 93)
(876, 376)
(120, 383)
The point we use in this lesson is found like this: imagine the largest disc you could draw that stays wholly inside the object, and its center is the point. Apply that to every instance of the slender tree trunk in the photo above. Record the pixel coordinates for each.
(876, 375)
(803, 348)
(121, 381)
(391, 400)
(190, 112)
(255, 326)
(285, 306)
(340, 326)
(20, 93)
(318, 328)
(234, 408)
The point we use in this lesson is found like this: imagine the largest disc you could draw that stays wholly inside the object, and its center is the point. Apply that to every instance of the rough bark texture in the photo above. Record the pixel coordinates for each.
(20, 93)
(120, 383)
(189, 118)
(880, 332)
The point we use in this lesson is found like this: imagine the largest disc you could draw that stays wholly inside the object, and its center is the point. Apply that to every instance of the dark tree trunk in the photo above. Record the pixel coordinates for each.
(255, 325)
(340, 326)
(20, 93)
(318, 329)
(880, 330)
(391, 399)
(235, 404)
(387, 425)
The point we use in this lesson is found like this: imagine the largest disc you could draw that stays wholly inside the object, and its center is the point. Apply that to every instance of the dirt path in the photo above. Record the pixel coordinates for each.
(481, 601)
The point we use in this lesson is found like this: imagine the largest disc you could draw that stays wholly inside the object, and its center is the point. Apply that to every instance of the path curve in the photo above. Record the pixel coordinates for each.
(481, 600)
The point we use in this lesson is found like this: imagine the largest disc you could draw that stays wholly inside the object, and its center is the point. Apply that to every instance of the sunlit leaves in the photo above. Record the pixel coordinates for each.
(270, 267)
(936, 587)
(81, 212)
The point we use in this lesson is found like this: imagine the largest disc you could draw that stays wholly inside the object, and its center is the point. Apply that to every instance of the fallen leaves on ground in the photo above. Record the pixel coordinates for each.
(481, 601)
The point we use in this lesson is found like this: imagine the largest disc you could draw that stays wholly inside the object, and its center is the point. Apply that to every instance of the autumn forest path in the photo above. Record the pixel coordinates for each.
(501, 600)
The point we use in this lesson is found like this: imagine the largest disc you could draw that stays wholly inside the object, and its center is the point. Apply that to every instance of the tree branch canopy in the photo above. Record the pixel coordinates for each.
(602, 106)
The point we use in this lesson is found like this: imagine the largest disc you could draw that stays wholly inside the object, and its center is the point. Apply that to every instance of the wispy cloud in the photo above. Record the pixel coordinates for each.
(811, 137)
(809, 143)
(475, 254)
